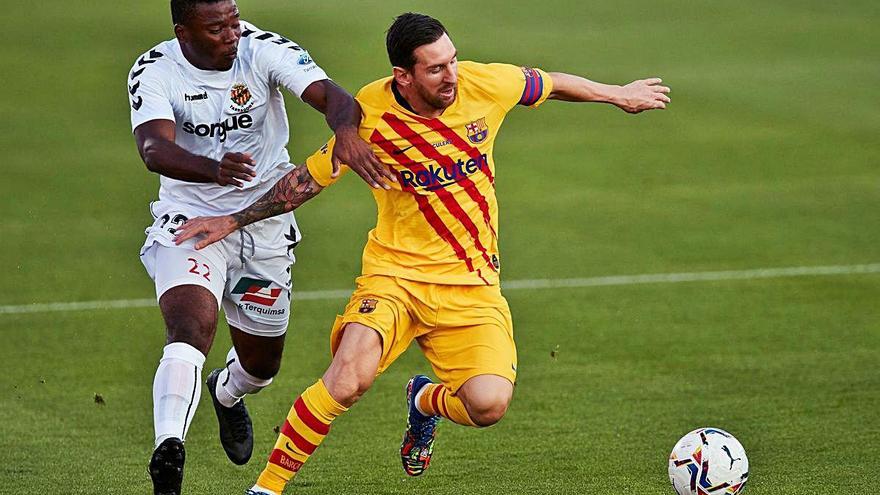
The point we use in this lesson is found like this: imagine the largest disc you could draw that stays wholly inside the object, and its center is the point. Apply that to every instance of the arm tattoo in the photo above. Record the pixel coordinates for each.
(289, 193)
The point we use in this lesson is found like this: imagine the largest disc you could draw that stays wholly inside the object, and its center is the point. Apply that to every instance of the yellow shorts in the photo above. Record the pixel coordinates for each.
(463, 330)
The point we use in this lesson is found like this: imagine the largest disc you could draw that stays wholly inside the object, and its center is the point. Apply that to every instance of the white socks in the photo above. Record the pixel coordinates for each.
(234, 382)
(176, 390)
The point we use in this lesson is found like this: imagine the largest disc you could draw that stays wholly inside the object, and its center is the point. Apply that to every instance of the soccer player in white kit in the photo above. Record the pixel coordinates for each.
(209, 117)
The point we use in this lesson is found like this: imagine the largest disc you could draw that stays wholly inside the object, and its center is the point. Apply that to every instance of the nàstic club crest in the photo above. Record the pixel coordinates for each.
(477, 131)
(241, 97)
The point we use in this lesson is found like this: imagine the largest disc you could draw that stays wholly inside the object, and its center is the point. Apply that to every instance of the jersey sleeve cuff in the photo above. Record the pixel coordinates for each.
(321, 168)
(313, 76)
(137, 121)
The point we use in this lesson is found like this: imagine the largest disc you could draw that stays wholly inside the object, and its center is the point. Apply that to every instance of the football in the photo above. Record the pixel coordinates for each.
(708, 461)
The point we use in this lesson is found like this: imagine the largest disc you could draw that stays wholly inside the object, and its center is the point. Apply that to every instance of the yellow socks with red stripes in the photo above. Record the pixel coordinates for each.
(435, 399)
(307, 423)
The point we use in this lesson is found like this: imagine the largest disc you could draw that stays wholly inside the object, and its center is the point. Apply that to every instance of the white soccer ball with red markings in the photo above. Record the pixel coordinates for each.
(708, 461)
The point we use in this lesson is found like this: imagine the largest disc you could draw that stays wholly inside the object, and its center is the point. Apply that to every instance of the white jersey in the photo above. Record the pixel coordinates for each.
(216, 112)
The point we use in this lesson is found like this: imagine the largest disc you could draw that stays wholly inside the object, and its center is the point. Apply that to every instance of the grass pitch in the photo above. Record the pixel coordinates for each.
(766, 158)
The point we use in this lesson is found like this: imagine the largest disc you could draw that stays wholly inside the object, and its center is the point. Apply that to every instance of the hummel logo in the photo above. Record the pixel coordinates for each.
(292, 239)
(401, 151)
(203, 96)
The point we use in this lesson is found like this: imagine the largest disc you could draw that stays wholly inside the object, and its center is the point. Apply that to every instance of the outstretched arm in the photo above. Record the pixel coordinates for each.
(343, 116)
(635, 97)
(289, 193)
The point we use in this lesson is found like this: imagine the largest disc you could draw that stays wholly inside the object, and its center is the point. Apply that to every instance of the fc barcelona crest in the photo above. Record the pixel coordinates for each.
(368, 306)
(477, 131)
(241, 98)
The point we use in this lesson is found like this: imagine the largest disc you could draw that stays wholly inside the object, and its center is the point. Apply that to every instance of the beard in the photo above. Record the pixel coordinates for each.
(435, 100)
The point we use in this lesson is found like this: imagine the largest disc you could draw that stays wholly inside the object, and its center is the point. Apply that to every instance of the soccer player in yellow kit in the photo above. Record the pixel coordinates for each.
(431, 266)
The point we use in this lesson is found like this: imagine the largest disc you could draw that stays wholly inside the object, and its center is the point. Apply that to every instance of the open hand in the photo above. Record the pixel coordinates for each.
(353, 151)
(234, 167)
(644, 94)
(212, 229)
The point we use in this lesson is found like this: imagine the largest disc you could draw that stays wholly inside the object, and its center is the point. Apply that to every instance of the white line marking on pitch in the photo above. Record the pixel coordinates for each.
(656, 278)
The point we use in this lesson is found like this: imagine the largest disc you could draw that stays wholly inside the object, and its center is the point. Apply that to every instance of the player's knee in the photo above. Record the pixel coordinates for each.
(258, 355)
(265, 369)
(488, 412)
(348, 390)
(195, 331)
(354, 390)
(354, 365)
(190, 314)
(348, 379)
(486, 399)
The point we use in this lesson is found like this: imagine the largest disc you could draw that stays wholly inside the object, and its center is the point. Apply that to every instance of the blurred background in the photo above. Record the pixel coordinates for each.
(768, 157)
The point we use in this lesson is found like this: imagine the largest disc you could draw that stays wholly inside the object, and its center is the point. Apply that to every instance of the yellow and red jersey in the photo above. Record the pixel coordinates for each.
(439, 223)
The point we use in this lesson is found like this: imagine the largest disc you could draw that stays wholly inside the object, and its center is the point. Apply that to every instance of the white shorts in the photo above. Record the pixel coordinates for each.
(249, 272)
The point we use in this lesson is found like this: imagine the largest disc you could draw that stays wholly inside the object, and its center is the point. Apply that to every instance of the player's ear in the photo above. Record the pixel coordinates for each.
(180, 32)
(402, 76)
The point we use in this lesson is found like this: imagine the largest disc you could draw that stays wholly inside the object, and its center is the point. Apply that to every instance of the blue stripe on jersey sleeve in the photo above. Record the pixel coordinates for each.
(534, 87)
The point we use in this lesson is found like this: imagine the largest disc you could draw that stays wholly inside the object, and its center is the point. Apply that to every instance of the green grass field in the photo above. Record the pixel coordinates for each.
(768, 157)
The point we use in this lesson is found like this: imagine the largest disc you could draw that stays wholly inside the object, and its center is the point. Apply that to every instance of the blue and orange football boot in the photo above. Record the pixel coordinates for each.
(418, 439)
